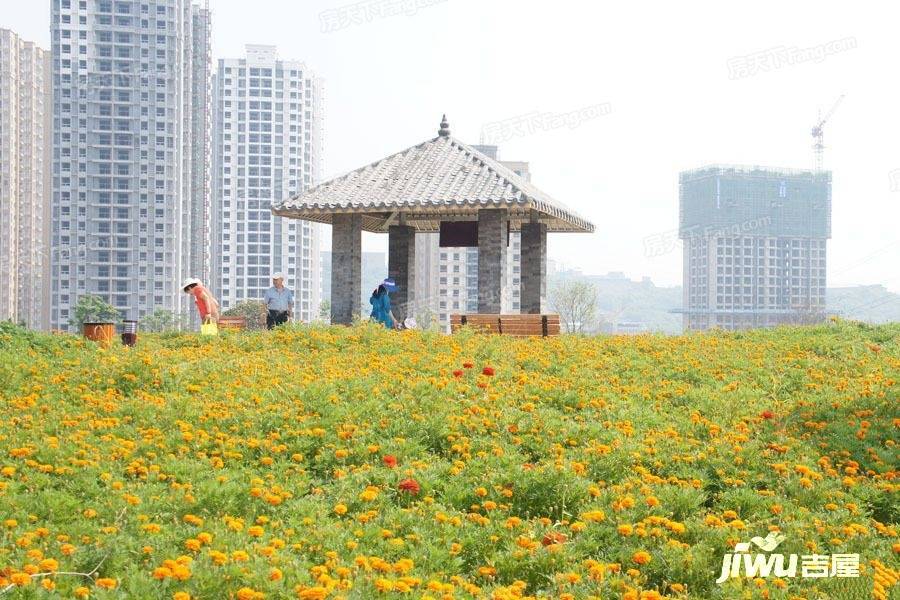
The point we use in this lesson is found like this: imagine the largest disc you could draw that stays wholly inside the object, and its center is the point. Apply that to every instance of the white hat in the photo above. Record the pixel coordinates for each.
(277, 276)
(190, 281)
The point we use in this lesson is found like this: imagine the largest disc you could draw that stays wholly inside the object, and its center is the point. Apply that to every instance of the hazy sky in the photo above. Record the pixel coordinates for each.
(663, 69)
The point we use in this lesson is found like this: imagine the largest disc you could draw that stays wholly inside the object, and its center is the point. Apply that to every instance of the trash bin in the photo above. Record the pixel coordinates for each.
(129, 332)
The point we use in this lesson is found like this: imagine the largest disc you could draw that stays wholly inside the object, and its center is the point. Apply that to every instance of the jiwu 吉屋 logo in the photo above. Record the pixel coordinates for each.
(743, 563)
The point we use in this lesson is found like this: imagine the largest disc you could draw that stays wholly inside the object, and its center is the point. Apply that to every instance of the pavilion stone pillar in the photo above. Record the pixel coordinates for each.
(534, 268)
(402, 269)
(346, 267)
(493, 226)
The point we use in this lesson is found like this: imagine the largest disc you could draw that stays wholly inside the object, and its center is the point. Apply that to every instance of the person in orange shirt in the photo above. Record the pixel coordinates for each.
(206, 302)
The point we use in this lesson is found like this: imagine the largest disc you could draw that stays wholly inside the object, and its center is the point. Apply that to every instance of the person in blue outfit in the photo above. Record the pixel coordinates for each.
(381, 304)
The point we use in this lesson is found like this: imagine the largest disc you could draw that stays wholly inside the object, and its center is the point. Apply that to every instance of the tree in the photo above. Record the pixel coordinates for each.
(325, 310)
(576, 303)
(161, 320)
(94, 309)
(253, 311)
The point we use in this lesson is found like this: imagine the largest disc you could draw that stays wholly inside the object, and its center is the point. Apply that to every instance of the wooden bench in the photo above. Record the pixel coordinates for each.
(516, 325)
(232, 323)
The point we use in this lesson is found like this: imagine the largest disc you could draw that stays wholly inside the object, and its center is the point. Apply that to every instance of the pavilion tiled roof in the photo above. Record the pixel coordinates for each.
(440, 179)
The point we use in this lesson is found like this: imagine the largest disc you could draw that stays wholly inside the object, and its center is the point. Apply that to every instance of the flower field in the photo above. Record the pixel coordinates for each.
(318, 462)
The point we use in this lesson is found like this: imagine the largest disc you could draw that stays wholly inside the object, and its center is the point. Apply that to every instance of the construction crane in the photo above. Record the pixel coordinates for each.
(817, 133)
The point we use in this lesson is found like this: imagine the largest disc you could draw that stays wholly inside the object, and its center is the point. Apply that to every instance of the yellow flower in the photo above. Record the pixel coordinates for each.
(594, 516)
(370, 493)
(255, 531)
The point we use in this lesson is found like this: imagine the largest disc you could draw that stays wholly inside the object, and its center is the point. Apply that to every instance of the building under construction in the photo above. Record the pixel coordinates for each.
(754, 245)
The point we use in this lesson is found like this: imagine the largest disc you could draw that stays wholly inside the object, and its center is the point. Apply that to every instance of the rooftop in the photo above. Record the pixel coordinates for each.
(441, 179)
(752, 170)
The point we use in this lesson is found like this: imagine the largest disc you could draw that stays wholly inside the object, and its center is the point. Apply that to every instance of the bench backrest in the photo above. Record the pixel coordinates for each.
(517, 325)
(236, 323)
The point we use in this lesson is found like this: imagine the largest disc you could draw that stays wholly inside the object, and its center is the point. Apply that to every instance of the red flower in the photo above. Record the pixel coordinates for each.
(489, 371)
(767, 414)
(409, 485)
(457, 373)
(468, 365)
(390, 460)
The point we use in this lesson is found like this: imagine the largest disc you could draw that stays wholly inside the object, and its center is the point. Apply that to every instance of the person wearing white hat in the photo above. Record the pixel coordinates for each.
(279, 302)
(206, 302)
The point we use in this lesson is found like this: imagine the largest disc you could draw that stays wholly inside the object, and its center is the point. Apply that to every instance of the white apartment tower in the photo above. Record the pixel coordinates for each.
(754, 245)
(24, 181)
(130, 186)
(267, 144)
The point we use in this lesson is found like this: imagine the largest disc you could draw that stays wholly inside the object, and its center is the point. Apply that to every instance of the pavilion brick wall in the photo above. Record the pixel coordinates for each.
(533, 290)
(402, 268)
(346, 267)
(493, 226)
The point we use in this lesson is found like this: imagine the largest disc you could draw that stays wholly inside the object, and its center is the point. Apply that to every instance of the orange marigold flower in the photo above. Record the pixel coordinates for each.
(313, 593)
(48, 564)
(641, 557)
(106, 583)
(246, 593)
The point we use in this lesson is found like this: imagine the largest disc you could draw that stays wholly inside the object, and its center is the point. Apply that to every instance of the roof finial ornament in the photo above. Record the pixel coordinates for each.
(444, 131)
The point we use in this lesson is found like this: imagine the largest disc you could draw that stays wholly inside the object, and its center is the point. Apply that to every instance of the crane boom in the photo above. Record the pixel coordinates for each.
(818, 134)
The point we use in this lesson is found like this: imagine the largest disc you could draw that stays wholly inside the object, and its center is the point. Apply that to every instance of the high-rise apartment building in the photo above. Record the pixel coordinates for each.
(754, 245)
(24, 181)
(447, 278)
(129, 179)
(267, 145)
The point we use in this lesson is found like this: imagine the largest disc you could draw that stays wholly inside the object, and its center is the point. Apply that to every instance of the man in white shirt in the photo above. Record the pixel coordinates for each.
(279, 302)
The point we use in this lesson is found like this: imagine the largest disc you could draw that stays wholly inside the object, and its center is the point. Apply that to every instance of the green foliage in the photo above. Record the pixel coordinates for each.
(94, 309)
(162, 320)
(254, 311)
(325, 310)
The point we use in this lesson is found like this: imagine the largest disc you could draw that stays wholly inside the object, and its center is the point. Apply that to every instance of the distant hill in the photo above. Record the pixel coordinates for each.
(869, 303)
(621, 300)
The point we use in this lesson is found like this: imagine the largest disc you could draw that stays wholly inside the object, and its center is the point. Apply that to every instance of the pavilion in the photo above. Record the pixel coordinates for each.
(441, 185)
